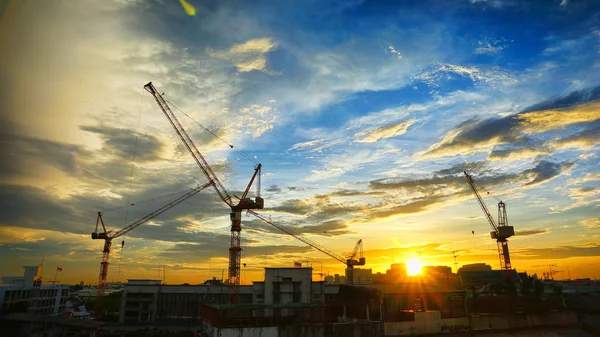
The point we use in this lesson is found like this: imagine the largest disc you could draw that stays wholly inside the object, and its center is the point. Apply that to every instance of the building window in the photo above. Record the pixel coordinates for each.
(259, 296)
(286, 279)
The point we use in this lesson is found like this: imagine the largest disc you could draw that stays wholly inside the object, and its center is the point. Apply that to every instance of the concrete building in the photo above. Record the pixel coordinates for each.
(474, 266)
(16, 293)
(151, 301)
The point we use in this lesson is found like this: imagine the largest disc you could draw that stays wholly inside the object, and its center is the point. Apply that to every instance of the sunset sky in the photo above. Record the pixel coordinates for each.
(364, 115)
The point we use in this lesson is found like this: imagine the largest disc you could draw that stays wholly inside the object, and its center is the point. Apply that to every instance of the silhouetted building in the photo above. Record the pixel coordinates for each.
(146, 301)
(398, 272)
(363, 276)
(436, 271)
(480, 278)
(475, 266)
(380, 278)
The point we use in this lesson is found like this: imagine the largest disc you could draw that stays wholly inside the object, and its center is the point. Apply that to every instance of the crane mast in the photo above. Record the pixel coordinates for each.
(500, 232)
(235, 249)
(350, 261)
(108, 237)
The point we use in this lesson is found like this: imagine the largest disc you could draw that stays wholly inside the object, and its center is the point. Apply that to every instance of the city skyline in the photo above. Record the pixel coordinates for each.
(364, 116)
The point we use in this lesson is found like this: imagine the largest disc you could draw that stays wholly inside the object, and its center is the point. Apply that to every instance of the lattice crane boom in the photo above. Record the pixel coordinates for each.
(189, 144)
(486, 212)
(108, 237)
(357, 247)
(500, 232)
(161, 210)
(299, 236)
(350, 262)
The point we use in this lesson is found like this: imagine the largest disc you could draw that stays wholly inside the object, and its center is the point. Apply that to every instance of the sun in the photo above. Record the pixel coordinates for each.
(413, 267)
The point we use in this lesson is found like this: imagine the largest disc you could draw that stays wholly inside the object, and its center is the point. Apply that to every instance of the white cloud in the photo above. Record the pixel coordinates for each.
(491, 77)
(247, 56)
(257, 119)
(383, 132)
(394, 52)
(490, 46)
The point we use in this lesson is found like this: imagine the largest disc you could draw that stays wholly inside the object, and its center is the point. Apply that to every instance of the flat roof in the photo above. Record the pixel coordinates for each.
(60, 320)
(288, 268)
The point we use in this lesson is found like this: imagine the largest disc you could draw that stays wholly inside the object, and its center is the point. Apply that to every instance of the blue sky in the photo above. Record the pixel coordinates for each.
(363, 113)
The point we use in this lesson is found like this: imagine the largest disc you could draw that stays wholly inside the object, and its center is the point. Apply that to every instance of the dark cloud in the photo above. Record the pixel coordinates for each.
(476, 166)
(326, 228)
(561, 252)
(196, 252)
(415, 206)
(473, 134)
(517, 151)
(296, 188)
(24, 155)
(347, 193)
(274, 189)
(126, 143)
(294, 206)
(533, 231)
(438, 189)
(587, 138)
(544, 171)
(31, 207)
(572, 99)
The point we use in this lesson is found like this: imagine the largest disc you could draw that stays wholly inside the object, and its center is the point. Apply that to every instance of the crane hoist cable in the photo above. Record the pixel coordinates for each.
(216, 168)
(212, 133)
(137, 203)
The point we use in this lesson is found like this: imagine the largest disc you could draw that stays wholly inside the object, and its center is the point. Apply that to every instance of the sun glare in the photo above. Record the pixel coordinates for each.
(413, 267)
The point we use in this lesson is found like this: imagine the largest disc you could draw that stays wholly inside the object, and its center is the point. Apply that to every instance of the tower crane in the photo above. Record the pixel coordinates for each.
(107, 236)
(551, 271)
(243, 203)
(349, 261)
(500, 232)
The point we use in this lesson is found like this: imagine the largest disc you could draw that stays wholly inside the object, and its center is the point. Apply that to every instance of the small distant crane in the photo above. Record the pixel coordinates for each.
(550, 274)
(500, 232)
(350, 261)
(107, 236)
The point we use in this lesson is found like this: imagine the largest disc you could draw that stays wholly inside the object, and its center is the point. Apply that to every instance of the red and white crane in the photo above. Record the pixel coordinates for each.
(243, 203)
(350, 261)
(108, 236)
(500, 232)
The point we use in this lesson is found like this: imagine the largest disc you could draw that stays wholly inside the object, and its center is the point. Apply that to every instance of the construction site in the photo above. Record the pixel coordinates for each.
(290, 301)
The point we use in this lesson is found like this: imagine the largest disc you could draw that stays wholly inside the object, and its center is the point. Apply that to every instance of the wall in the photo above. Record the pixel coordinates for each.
(455, 324)
(247, 332)
(285, 278)
(429, 323)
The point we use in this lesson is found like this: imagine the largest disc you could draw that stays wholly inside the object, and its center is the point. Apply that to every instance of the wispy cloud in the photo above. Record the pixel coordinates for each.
(492, 77)
(483, 135)
(247, 56)
(490, 46)
(383, 132)
(392, 50)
